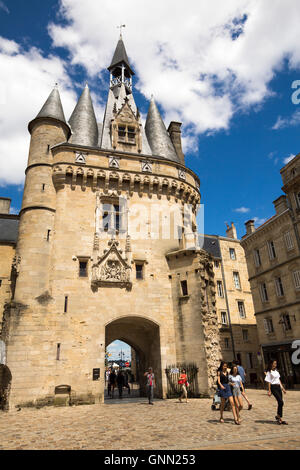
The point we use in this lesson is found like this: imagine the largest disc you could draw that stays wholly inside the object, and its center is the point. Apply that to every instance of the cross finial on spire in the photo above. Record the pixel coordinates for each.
(120, 27)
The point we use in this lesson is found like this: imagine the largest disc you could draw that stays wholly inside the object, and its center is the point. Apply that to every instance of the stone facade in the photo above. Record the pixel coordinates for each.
(103, 251)
(234, 303)
(8, 238)
(273, 258)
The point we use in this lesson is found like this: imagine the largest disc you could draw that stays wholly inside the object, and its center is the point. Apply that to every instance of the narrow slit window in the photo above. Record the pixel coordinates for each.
(58, 352)
(83, 272)
(220, 289)
(48, 235)
(184, 288)
(139, 271)
(66, 304)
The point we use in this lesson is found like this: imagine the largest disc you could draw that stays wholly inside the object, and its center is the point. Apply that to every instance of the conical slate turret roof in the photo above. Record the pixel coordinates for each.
(83, 121)
(53, 107)
(157, 135)
(120, 56)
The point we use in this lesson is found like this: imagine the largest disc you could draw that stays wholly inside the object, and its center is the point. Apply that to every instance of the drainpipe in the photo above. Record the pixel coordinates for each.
(294, 222)
(227, 305)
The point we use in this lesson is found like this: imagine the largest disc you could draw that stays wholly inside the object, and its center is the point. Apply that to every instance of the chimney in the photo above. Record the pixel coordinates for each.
(5, 205)
(250, 227)
(175, 136)
(280, 204)
(231, 231)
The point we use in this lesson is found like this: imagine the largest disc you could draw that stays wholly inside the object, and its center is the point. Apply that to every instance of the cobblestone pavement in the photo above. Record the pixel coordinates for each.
(133, 424)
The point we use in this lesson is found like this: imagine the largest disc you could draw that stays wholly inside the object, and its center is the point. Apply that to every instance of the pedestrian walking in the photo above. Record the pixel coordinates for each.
(275, 388)
(235, 381)
(150, 384)
(242, 373)
(107, 382)
(183, 381)
(120, 383)
(112, 382)
(126, 381)
(224, 391)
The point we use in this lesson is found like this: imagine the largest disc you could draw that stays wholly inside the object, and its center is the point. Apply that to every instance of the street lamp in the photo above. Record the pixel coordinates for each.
(122, 356)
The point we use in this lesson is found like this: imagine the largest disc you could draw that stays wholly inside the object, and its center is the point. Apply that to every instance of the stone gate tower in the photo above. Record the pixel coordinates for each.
(107, 250)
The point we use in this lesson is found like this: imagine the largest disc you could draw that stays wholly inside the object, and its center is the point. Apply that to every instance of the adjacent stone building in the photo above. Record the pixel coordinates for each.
(273, 258)
(234, 303)
(9, 224)
(107, 249)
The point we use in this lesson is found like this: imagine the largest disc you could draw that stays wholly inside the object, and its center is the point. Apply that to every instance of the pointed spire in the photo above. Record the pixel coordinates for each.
(83, 121)
(52, 107)
(157, 135)
(120, 56)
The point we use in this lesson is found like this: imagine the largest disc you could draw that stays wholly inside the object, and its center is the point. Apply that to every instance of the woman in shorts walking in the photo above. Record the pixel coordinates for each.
(225, 392)
(236, 382)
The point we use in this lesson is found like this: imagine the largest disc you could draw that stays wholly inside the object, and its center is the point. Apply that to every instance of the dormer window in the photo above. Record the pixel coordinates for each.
(131, 135)
(122, 133)
(126, 134)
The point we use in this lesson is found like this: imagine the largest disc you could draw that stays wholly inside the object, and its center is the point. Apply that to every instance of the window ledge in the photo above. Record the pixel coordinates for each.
(181, 297)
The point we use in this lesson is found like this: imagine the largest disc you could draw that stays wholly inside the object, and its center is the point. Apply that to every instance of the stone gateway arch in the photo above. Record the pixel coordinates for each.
(107, 249)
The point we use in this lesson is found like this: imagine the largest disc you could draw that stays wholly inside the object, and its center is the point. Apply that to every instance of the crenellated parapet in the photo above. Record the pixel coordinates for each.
(124, 181)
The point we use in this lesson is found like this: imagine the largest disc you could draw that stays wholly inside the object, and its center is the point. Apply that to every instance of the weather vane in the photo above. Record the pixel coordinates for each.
(120, 28)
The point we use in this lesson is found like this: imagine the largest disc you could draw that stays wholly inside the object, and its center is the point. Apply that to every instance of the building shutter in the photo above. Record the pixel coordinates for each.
(288, 240)
(296, 275)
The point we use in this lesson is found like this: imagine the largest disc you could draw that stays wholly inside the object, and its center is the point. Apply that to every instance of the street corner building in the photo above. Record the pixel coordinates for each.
(90, 267)
(273, 257)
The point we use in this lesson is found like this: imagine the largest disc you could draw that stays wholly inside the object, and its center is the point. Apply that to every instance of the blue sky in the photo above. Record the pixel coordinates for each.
(115, 349)
(228, 114)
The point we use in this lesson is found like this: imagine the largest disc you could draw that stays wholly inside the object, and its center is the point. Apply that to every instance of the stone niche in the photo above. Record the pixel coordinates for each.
(62, 395)
(111, 269)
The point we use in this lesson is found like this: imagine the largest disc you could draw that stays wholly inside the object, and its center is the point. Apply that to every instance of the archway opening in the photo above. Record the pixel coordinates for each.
(143, 337)
(122, 357)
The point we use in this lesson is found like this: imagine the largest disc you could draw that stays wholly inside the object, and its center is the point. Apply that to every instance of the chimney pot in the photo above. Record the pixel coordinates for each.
(250, 228)
(5, 205)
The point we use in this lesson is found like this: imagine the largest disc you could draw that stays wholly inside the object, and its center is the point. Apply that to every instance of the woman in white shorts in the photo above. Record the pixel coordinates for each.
(235, 380)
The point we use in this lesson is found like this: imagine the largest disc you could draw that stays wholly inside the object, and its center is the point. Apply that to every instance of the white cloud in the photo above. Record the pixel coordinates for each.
(202, 64)
(4, 7)
(242, 210)
(291, 121)
(259, 221)
(26, 80)
(288, 159)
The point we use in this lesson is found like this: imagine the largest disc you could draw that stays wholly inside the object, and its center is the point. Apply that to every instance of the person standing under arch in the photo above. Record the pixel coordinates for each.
(112, 382)
(150, 384)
